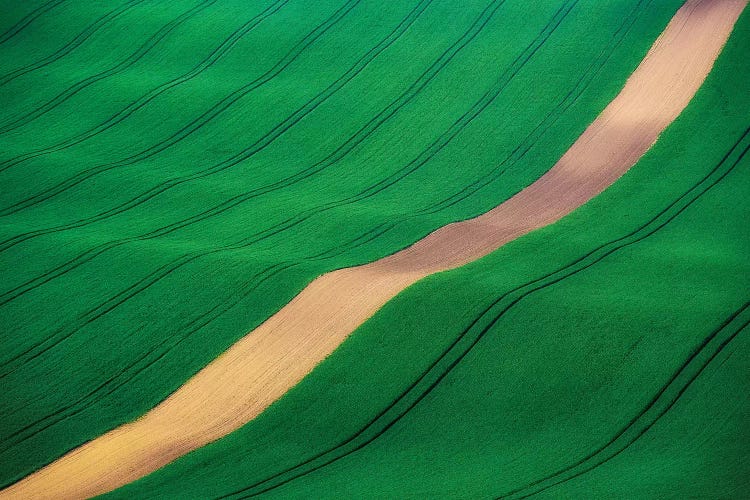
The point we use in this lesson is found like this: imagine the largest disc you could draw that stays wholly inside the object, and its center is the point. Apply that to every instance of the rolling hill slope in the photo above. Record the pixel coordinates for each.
(611, 347)
(217, 157)
(113, 294)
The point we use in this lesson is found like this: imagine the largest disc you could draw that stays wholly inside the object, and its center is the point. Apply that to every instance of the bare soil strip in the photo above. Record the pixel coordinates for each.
(263, 365)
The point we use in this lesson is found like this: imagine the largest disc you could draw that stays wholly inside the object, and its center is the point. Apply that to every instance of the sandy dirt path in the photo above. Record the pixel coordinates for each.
(263, 365)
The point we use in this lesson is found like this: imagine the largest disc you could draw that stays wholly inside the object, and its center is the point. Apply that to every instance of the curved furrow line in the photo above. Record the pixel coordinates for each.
(48, 421)
(490, 316)
(264, 364)
(28, 19)
(344, 149)
(216, 54)
(261, 143)
(337, 155)
(161, 350)
(67, 330)
(525, 145)
(463, 194)
(667, 395)
(133, 58)
(196, 124)
(539, 131)
(76, 42)
(136, 367)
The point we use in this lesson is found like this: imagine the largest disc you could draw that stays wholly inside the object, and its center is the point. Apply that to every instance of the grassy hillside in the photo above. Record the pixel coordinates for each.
(177, 172)
(603, 356)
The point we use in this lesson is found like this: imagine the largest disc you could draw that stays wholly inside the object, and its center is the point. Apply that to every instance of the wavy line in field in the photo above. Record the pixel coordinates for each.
(205, 318)
(260, 144)
(281, 128)
(195, 125)
(258, 369)
(28, 19)
(389, 39)
(659, 405)
(76, 42)
(148, 359)
(133, 58)
(66, 331)
(387, 112)
(473, 334)
(148, 280)
(525, 145)
(216, 54)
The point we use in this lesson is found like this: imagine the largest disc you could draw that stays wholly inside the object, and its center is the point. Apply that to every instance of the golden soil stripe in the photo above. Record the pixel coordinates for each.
(263, 365)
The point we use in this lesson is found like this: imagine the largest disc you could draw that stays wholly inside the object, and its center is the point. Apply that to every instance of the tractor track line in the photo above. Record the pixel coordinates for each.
(217, 53)
(131, 371)
(76, 42)
(121, 66)
(691, 369)
(195, 125)
(483, 324)
(28, 19)
(65, 331)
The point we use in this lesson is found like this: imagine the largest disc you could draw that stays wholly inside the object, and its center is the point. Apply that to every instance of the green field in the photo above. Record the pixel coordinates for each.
(173, 173)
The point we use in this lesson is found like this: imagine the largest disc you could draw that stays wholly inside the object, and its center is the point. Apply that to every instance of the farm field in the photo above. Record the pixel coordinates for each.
(175, 173)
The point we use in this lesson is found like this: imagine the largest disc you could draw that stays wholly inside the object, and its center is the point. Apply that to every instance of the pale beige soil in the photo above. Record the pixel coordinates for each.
(264, 364)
